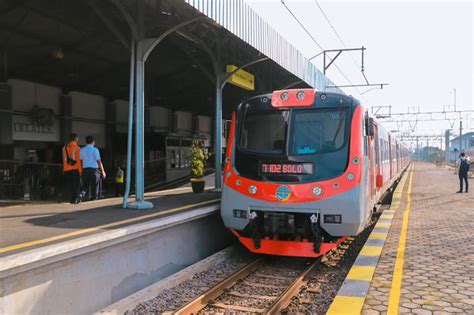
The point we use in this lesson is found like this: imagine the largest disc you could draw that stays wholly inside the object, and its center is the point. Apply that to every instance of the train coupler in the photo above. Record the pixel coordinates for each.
(255, 229)
(316, 230)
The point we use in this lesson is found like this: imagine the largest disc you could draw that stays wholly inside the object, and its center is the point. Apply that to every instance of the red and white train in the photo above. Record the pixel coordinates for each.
(304, 170)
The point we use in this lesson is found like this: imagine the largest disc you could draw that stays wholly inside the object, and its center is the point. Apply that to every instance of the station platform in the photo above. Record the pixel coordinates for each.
(419, 257)
(33, 225)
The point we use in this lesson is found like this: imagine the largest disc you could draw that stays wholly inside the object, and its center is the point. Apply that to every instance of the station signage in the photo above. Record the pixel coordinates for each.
(24, 129)
(241, 78)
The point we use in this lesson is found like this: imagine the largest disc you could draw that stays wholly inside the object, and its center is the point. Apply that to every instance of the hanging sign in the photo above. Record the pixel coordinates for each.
(241, 78)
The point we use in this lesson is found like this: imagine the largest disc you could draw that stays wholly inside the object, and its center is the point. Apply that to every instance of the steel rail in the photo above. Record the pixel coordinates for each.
(278, 303)
(292, 290)
(197, 304)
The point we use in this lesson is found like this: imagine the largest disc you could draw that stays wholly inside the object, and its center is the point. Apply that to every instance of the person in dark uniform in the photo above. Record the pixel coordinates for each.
(72, 169)
(93, 169)
(463, 170)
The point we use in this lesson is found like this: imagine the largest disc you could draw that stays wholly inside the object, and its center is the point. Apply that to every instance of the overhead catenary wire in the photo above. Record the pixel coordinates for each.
(317, 43)
(359, 67)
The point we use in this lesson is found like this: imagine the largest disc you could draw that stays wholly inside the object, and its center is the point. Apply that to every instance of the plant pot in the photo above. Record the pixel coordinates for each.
(198, 185)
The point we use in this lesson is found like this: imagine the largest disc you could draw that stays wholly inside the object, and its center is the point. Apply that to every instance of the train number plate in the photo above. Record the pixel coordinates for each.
(286, 168)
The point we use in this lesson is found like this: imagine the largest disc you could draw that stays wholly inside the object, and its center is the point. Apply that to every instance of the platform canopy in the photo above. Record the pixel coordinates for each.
(241, 20)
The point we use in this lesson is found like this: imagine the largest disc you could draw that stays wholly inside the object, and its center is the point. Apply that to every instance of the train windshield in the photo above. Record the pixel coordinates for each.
(315, 138)
(317, 131)
(264, 132)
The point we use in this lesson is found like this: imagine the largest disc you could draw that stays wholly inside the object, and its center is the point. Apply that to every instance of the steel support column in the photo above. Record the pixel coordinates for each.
(140, 202)
(131, 99)
(218, 134)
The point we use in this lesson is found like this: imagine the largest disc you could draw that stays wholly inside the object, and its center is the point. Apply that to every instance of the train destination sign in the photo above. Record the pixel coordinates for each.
(287, 168)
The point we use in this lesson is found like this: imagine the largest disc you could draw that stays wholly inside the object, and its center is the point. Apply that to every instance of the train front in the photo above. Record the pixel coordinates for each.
(294, 172)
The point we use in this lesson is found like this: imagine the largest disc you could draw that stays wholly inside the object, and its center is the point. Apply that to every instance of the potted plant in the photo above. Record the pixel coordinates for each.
(197, 157)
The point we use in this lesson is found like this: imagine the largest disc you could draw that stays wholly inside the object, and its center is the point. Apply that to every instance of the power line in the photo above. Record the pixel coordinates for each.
(341, 40)
(316, 42)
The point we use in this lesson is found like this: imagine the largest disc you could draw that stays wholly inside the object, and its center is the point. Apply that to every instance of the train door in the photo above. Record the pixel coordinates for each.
(371, 166)
(370, 155)
(398, 158)
(378, 174)
(390, 155)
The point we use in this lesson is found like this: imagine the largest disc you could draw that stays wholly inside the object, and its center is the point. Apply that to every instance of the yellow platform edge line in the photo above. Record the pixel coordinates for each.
(364, 273)
(342, 305)
(395, 290)
(346, 305)
(371, 251)
(377, 236)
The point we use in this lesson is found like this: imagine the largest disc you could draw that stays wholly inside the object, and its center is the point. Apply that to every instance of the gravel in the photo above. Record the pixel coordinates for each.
(315, 298)
(324, 284)
(174, 298)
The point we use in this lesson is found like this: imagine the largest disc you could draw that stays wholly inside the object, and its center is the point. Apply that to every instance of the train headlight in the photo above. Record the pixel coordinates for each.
(252, 189)
(350, 176)
(317, 191)
(300, 95)
(355, 160)
(335, 185)
(238, 182)
(284, 96)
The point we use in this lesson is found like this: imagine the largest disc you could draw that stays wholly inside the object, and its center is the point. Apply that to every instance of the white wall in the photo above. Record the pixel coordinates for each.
(121, 115)
(88, 106)
(204, 124)
(25, 95)
(159, 118)
(184, 122)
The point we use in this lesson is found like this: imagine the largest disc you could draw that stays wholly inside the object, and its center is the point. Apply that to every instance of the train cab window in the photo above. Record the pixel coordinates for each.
(264, 132)
(317, 131)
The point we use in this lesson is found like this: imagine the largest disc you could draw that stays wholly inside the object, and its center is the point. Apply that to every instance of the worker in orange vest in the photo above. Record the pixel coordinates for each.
(72, 168)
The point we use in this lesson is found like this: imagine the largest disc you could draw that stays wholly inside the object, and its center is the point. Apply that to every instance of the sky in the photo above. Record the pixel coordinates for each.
(423, 49)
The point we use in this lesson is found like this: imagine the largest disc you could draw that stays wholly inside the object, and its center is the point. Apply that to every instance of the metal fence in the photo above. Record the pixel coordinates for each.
(44, 181)
(30, 180)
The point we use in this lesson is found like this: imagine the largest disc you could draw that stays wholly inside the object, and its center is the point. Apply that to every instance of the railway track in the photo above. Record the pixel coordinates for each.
(264, 286)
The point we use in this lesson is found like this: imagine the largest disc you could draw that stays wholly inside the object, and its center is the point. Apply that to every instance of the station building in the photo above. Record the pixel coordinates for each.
(69, 67)
(467, 142)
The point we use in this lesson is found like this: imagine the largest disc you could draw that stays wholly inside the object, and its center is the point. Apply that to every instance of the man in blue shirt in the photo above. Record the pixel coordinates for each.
(92, 168)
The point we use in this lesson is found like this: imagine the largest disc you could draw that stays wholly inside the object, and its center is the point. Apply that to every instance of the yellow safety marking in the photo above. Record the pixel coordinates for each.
(383, 224)
(371, 250)
(346, 305)
(364, 273)
(395, 290)
(397, 194)
(386, 216)
(377, 236)
(104, 226)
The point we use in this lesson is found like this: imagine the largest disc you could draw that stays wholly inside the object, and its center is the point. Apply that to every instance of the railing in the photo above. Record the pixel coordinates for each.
(44, 181)
(30, 180)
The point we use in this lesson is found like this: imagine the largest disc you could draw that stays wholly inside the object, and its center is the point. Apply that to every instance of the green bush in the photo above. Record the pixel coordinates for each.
(197, 157)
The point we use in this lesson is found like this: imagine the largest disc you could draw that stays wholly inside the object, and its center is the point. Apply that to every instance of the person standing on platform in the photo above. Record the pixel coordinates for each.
(72, 169)
(93, 169)
(463, 170)
(119, 176)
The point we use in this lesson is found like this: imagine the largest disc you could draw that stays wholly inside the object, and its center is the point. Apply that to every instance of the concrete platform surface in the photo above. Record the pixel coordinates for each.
(25, 227)
(427, 263)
